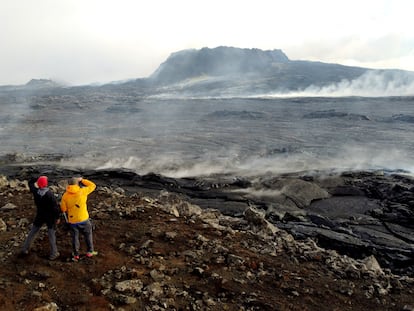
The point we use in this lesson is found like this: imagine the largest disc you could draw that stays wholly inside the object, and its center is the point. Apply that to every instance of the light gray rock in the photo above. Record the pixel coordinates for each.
(8, 207)
(257, 219)
(154, 291)
(156, 275)
(371, 264)
(129, 286)
(52, 306)
(3, 225)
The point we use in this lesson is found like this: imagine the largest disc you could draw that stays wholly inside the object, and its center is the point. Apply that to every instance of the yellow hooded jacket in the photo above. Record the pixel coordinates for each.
(74, 201)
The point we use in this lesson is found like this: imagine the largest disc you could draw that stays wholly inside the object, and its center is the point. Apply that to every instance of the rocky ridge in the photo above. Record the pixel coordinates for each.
(230, 72)
(158, 251)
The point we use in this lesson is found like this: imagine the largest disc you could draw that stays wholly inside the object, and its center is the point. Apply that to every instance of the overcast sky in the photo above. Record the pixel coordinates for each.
(97, 41)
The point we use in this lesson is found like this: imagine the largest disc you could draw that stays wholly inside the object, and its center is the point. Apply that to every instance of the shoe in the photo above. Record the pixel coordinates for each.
(55, 256)
(24, 253)
(75, 258)
(91, 254)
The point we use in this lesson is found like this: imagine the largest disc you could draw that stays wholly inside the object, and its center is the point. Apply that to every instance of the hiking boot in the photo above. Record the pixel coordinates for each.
(91, 254)
(24, 253)
(75, 258)
(55, 256)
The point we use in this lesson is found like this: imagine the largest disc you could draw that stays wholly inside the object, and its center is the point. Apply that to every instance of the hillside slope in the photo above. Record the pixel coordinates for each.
(230, 71)
(159, 252)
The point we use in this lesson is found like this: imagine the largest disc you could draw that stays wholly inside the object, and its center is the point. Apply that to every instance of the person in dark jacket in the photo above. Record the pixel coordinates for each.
(47, 212)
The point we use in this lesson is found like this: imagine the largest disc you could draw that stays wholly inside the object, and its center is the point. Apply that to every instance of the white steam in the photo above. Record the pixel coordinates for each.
(370, 84)
(348, 158)
(373, 83)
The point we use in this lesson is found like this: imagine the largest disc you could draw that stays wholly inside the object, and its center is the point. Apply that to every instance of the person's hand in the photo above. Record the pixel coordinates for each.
(58, 221)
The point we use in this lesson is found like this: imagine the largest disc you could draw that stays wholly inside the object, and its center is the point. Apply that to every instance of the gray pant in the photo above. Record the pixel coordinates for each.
(85, 228)
(32, 235)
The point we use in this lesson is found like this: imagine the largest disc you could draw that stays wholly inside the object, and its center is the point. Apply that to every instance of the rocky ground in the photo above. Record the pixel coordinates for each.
(158, 251)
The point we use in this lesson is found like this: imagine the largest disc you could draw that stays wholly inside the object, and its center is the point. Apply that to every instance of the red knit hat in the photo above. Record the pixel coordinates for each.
(42, 182)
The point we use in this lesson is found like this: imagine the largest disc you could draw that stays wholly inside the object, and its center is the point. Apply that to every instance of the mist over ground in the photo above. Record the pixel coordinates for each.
(259, 113)
(228, 143)
(277, 137)
(193, 137)
(370, 84)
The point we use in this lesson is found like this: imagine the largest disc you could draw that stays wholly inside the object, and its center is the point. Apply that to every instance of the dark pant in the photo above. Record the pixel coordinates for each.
(33, 233)
(84, 228)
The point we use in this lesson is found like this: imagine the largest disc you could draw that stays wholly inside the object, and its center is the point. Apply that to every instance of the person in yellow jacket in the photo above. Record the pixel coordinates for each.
(73, 205)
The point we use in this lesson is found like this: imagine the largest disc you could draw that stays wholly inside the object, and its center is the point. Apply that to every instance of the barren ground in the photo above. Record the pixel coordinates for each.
(291, 283)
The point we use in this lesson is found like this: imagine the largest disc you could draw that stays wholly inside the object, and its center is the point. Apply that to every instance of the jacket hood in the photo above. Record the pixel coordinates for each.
(42, 191)
(73, 188)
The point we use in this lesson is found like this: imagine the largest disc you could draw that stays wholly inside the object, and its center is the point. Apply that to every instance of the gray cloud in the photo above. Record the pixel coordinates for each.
(90, 41)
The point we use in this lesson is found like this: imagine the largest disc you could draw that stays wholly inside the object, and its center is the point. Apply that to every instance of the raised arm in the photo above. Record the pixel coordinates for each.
(89, 185)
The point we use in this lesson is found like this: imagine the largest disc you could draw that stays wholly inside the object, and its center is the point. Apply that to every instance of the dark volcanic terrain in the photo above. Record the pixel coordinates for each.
(160, 251)
(196, 208)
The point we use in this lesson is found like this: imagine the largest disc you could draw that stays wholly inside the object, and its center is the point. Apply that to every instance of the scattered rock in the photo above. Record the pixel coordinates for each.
(205, 260)
(3, 226)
